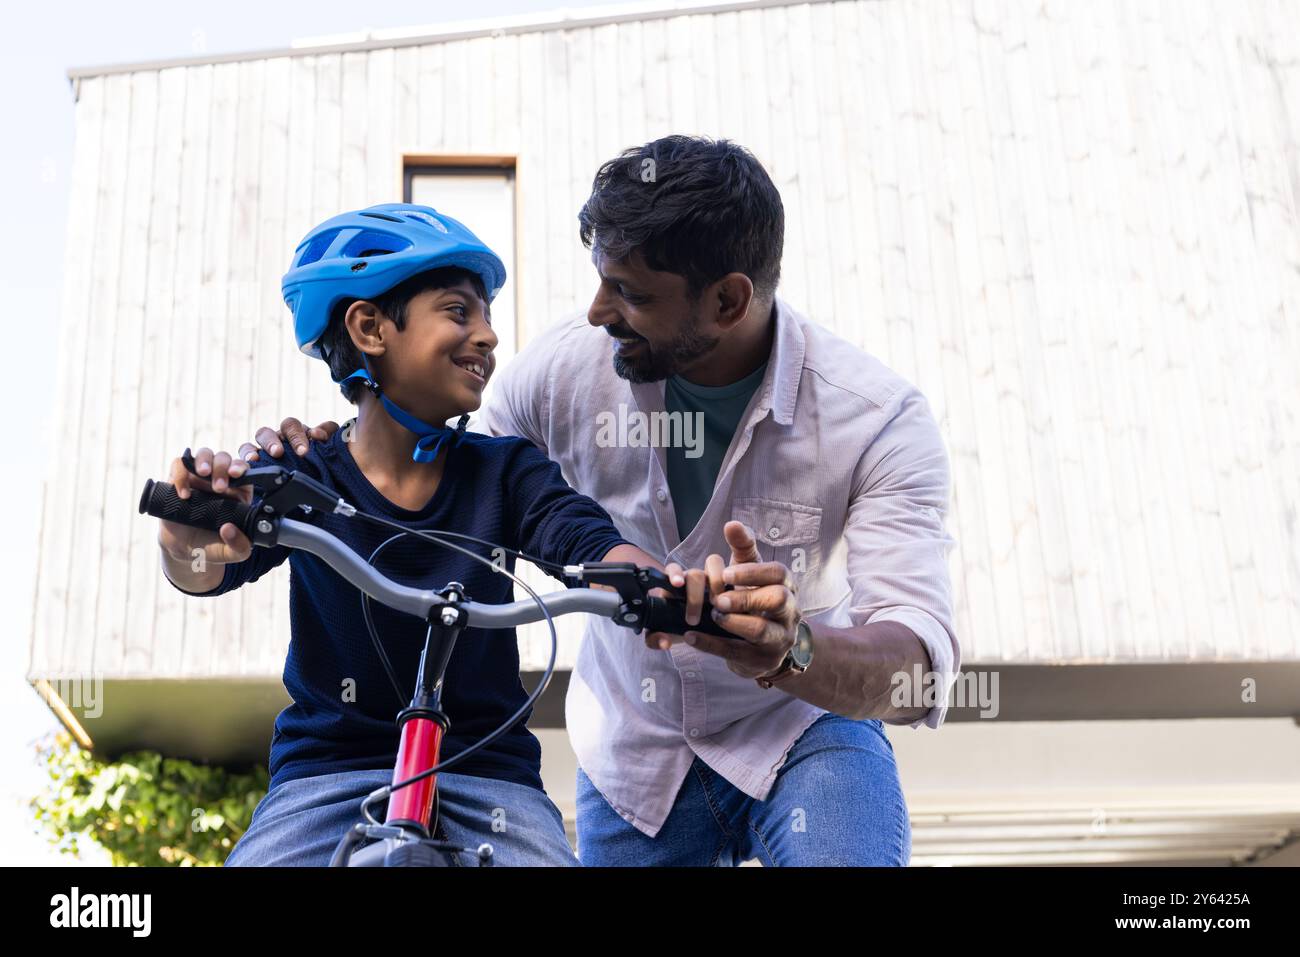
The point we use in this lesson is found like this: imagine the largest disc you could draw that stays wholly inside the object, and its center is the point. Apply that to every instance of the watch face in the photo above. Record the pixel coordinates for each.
(802, 651)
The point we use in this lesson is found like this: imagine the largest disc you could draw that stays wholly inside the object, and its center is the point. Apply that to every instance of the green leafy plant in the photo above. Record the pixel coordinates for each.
(144, 809)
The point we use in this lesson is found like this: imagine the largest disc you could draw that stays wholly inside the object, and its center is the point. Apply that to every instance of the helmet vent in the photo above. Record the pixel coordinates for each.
(391, 219)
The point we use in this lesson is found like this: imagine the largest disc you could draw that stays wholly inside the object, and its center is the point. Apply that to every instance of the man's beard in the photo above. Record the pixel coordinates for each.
(655, 365)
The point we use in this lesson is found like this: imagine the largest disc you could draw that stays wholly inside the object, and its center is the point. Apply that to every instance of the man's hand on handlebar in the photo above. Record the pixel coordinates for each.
(760, 608)
(293, 432)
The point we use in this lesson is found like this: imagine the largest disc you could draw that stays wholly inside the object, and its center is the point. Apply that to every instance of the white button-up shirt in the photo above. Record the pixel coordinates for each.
(839, 469)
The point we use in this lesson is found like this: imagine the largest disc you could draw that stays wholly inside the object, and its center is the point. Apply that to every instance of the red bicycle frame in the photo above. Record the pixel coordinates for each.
(423, 723)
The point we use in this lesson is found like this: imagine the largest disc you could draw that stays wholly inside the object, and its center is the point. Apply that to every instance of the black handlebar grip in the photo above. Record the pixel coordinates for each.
(205, 510)
(669, 615)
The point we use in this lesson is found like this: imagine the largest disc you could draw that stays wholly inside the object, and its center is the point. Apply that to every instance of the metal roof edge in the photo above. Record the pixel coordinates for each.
(561, 19)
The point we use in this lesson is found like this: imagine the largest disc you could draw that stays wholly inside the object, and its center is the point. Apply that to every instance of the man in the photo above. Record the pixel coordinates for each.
(693, 400)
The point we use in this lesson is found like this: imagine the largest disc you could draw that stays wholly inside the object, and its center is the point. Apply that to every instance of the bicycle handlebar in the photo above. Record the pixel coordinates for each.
(209, 511)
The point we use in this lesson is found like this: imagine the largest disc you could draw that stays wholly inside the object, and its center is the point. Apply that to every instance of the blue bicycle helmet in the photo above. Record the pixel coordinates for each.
(365, 253)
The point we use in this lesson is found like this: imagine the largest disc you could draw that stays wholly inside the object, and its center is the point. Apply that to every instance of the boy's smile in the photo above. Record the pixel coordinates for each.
(476, 367)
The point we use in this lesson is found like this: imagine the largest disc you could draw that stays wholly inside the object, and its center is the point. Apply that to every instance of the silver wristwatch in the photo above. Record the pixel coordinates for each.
(796, 660)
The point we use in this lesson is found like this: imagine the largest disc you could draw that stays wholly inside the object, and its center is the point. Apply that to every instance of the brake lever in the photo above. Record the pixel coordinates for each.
(283, 490)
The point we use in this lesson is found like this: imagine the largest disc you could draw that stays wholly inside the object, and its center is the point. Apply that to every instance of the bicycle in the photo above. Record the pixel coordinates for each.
(407, 837)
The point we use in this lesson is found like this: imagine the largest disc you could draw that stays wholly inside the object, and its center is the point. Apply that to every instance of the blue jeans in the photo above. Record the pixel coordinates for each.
(836, 801)
(299, 822)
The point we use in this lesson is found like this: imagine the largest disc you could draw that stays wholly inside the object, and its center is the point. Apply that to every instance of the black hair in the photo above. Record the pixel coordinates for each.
(336, 344)
(693, 206)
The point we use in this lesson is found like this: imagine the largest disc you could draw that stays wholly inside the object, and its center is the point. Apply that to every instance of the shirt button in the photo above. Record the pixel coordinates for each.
(695, 732)
(774, 531)
(690, 674)
(661, 495)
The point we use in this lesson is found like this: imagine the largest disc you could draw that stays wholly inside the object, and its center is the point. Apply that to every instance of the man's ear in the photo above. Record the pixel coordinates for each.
(363, 321)
(730, 297)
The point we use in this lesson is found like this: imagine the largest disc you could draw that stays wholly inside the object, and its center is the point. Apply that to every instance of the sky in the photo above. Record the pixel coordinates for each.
(44, 41)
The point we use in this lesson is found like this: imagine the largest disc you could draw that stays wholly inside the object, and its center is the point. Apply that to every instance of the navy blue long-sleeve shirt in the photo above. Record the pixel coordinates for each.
(502, 490)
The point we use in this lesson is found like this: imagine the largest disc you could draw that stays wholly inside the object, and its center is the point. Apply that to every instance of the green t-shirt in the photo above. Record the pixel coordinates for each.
(693, 470)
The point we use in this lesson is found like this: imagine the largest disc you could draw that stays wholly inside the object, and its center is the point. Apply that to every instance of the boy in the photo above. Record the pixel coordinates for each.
(395, 298)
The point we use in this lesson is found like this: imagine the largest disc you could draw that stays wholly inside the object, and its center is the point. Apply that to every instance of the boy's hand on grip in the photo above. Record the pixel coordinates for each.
(183, 543)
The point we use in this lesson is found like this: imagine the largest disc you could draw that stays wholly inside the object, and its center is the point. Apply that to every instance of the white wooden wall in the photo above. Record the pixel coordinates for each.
(1073, 224)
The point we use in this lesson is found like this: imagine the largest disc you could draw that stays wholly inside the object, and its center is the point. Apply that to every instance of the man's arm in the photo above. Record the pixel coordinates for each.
(898, 572)
(898, 569)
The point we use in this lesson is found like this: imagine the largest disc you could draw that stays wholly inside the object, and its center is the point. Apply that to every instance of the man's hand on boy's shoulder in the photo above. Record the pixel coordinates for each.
(293, 432)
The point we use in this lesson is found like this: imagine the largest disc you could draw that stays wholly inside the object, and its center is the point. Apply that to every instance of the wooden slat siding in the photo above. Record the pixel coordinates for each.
(680, 99)
(863, 304)
(1048, 509)
(1123, 566)
(1164, 452)
(837, 169)
(485, 54)
(85, 567)
(531, 277)
(724, 78)
(752, 89)
(1048, 353)
(626, 92)
(209, 624)
(1132, 314)
(812, 150)
(957, 348)
(460, 107)
(55, 577)
(906, 118)
(554, 204)
(1282, 16)
(119, 489)
(300, 215)
(327, 197)
(429, 95)
(1179, 129)
(244, 330)
(160, 327)
(983, 251)
(658, 80)
(780, 162)
(381, 146)
(968, 403)
(1275, 234)
(1278, 233)
(406, 107)
(175, 612)
(706, 74)
(1238, 355)
(840, 169)
(1235, 228)
(1175, 391)
(1209, 165)
(1073, 191)
(1181, 302)
(354, 128)
(265, 626)
(505, 109)
(1095, 62)
(1052, 248)
(961, 310)
(579, 143)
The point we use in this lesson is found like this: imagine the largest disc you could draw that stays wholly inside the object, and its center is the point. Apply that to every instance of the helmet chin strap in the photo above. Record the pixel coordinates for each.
(431, 437)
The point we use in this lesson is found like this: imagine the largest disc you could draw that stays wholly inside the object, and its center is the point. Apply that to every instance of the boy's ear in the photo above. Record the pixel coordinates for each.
(364, 323)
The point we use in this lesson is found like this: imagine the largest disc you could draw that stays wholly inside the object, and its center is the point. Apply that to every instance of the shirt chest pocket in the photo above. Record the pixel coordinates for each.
(787, 532)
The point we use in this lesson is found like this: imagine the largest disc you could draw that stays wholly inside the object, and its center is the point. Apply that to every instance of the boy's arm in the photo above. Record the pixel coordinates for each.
(556, 523)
